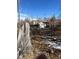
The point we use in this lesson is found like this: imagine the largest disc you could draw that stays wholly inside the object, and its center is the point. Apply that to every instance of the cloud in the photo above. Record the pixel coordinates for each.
(23, 16)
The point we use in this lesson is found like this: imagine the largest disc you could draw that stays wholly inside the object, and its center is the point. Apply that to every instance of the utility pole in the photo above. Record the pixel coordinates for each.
(18, 7)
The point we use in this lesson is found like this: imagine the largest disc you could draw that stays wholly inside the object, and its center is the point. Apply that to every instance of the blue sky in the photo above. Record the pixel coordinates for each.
(40, 8)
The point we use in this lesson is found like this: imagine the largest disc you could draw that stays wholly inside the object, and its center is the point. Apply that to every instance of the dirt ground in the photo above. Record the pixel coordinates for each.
(40, 49)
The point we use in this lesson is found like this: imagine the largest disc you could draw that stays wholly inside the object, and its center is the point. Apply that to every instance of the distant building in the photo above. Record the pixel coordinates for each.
(34, 22)
(42, 25)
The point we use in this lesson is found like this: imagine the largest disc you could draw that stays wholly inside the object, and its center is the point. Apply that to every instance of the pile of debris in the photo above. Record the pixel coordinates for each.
(39, 47)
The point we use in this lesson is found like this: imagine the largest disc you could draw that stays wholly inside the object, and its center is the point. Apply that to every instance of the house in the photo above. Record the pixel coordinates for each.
(42, 25)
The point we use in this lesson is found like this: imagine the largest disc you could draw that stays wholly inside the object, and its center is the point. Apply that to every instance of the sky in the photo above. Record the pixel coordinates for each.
(39, 8)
